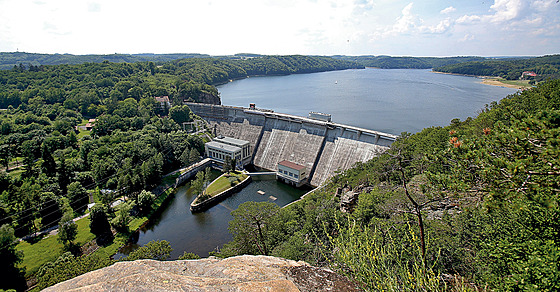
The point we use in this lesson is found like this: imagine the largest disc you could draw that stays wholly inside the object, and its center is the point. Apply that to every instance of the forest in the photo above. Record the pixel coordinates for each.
(546, 67)
(388, 62)
(53, 165)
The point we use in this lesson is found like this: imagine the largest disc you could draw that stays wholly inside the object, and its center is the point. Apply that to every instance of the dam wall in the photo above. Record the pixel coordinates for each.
(323, 147)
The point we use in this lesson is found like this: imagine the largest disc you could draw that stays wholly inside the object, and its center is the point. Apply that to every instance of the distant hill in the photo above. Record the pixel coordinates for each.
(545, 67)
(388, 62)
(9, 60)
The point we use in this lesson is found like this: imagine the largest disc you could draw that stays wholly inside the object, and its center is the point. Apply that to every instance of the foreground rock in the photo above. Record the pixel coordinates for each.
(241, 273)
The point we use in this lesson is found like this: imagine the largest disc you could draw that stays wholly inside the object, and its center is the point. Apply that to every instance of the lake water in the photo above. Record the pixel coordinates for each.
(203, 232)
(386, 100)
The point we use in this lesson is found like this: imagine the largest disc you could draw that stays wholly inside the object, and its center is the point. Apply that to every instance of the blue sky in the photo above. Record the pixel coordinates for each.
(322, 27)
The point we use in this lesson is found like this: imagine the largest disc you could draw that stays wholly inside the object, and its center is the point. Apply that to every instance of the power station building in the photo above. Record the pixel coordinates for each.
(222, 147)
(292, 173)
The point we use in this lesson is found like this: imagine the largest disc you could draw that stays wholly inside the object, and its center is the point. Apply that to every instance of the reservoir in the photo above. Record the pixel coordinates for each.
(203, 232)
(386, 100)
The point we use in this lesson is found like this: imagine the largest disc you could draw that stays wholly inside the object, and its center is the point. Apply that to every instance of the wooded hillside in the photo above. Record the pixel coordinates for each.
(546, 67)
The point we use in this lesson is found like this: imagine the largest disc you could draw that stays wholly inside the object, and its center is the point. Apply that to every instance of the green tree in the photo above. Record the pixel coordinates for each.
(67, 230)
(99, 224)
(251, 226)
(78, 197)
(194, 156)
(226, 166)
(197, 186)
(49, 211)
(11, 277)
(121, 220)
(145, 201)
(155, 250)
(180, 114)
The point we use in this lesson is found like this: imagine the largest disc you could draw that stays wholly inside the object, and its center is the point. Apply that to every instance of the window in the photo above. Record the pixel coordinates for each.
(295, 175)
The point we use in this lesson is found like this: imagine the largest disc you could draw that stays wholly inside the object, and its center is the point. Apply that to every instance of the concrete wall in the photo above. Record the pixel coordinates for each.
(323, 147)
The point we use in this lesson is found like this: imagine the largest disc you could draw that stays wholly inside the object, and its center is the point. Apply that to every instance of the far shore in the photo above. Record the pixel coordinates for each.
(490, 80)
(496, 82)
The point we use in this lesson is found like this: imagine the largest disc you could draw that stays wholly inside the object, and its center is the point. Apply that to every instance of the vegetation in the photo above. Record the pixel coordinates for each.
(12, 277)
(470, 206)
(221, 184)
(154, 250)
(388, 62)
(9, 60)
(546, 67)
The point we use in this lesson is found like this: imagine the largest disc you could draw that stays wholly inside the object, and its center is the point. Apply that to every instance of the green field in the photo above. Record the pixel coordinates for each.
(49, 249)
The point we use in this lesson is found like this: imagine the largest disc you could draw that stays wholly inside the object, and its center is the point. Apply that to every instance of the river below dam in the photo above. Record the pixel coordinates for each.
(390, 101)
(203, 232)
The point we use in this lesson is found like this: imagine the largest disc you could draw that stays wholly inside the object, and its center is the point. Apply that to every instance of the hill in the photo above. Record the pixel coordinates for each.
(545, 67)
(9, 60)
(388, 62)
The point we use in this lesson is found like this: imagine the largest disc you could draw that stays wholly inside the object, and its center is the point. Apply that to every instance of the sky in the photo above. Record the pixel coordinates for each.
(307, 27)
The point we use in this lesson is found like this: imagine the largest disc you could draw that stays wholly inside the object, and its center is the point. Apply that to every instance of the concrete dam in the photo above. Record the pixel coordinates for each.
(323, 147)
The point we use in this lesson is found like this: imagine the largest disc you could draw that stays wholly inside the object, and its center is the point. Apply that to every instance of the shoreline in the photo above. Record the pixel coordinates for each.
(495, 82)
(487, 80)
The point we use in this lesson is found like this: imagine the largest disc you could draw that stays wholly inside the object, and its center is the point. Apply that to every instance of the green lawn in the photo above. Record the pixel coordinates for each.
(49, 249)
(83, 133)
(222, 183)
(516, 82)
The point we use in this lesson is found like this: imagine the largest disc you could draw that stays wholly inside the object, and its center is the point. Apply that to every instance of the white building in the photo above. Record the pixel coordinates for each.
(222, 147)
(291, 173)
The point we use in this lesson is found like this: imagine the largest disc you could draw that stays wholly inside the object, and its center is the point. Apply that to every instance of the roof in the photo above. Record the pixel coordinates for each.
(162, 98)
(222, 146)
(291, 165)
(231, 141)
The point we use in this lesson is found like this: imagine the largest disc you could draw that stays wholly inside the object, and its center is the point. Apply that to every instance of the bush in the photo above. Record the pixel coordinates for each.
(189, 256)
(155, 250)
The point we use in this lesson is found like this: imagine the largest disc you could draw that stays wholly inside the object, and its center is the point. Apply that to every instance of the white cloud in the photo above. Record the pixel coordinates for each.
(442, 27)
(448, 10)
(506, 10)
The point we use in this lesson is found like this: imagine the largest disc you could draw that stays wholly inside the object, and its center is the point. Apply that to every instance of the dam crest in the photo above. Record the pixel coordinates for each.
(322, 146)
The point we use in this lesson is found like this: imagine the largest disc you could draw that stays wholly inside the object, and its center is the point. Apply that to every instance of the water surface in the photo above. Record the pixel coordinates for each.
(203, 232)
(387, 100)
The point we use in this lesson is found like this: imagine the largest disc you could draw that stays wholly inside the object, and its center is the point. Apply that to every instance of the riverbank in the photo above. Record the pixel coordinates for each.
(495, 81)
(521, 84)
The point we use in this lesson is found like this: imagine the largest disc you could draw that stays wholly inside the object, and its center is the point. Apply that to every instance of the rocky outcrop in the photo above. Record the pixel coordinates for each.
(206, 97)
(241, 273)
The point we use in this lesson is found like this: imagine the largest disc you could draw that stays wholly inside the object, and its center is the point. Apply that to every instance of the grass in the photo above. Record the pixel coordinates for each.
(49, 249)
(524, 83)
(222, 183)
(83, 133)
